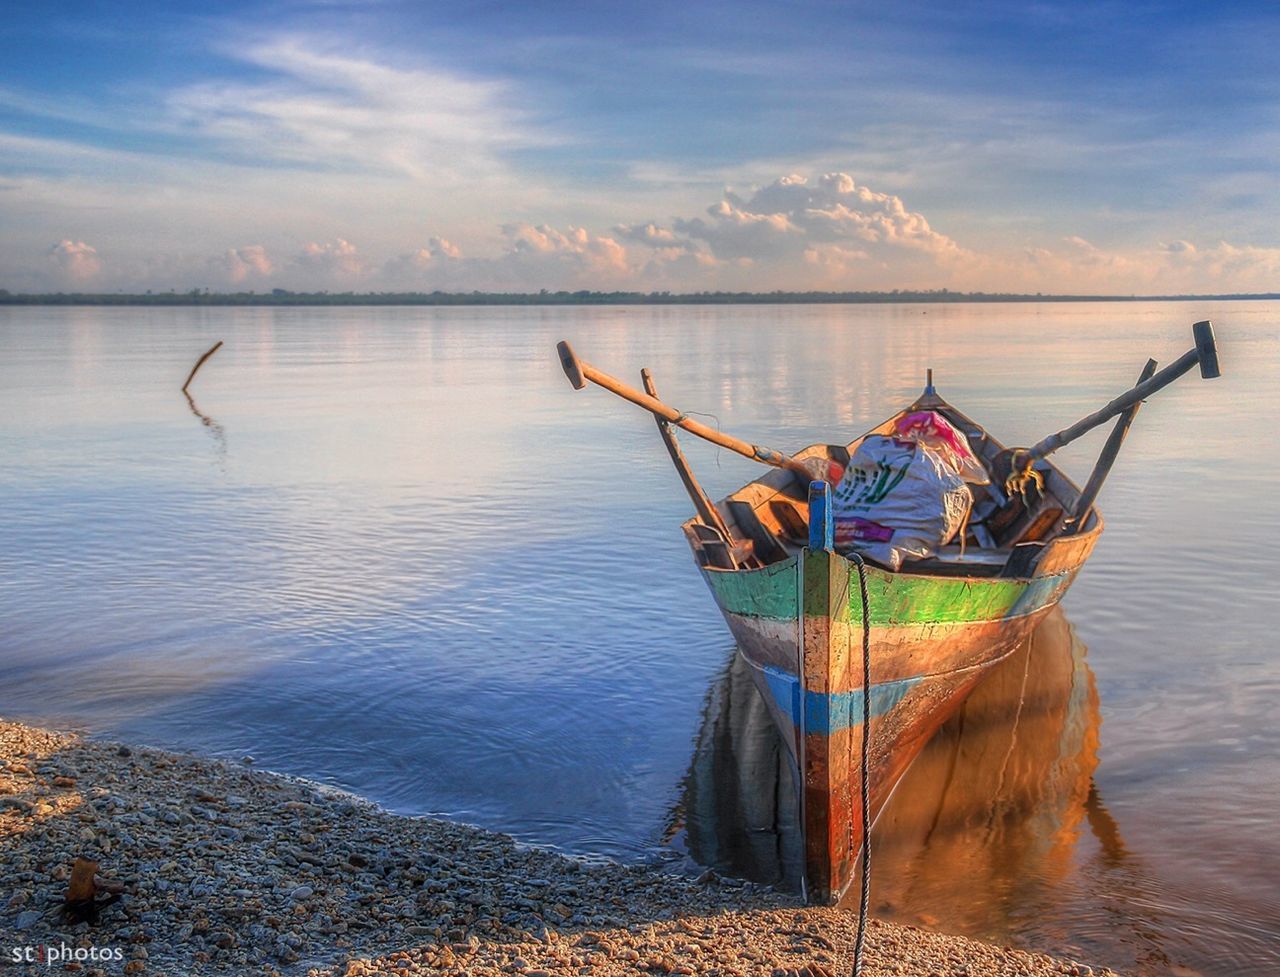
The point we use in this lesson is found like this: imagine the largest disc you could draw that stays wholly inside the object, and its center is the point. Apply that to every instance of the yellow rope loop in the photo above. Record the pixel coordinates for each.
(1023, 476)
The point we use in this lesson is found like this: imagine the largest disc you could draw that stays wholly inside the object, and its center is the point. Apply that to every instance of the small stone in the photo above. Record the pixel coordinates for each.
(124, 751)
(27, 919)
(302, 892)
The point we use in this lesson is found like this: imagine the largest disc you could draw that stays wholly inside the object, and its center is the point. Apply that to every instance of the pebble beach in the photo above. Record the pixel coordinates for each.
(211, 867)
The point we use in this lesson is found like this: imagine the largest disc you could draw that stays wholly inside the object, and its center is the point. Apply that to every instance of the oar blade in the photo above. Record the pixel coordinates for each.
(1207, 348)
(569, 361)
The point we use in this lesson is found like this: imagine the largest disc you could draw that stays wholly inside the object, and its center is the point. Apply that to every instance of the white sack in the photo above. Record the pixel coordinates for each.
(898, 499)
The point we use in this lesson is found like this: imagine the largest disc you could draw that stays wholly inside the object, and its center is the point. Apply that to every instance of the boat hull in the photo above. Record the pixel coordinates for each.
(798, 625)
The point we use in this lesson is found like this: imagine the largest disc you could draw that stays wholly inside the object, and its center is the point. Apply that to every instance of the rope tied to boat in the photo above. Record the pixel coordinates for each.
(864, 784)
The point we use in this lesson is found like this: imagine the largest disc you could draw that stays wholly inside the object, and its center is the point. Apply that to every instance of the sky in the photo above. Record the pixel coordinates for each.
(1066, 147)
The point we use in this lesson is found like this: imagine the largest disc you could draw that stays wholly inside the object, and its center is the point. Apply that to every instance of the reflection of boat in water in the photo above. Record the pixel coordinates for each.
(993, 802)
(998, 798)
(738, 809)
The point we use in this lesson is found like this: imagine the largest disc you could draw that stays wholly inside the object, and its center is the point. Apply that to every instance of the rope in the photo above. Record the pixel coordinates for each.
(686, 414)
(865, 897)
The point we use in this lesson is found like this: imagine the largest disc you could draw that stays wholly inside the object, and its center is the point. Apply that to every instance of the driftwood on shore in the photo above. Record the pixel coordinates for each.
(81, 904)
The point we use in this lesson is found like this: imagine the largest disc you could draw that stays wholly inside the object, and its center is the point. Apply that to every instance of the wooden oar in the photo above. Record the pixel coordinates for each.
(579, 372)
(707, 512)
(1102, 467)
(1204, 354)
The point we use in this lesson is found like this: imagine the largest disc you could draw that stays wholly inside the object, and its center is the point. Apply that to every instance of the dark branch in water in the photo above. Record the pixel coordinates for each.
(199, 363)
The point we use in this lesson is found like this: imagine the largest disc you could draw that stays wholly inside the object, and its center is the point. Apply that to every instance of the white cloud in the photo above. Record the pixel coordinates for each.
(335, 263)
(328, 136)
(574, 257)
(1180, 267)
(244, 265)
(77, 263)
(324, 108)
(425, 268)
(438, 247)
(791, 233)
(650, 234)
(1235, 268)
(835, 234)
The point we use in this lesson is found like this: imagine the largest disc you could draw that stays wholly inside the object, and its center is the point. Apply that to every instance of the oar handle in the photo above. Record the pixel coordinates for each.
(1205, 354)
(580, 372)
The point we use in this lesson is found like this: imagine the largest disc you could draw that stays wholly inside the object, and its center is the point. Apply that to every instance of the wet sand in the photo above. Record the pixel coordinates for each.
(228, 869)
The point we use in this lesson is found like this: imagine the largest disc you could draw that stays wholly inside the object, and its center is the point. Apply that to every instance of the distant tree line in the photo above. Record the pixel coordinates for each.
(280, 296)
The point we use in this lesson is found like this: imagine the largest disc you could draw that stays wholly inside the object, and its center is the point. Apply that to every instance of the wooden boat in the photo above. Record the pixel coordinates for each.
(933, 627)
(936, 626)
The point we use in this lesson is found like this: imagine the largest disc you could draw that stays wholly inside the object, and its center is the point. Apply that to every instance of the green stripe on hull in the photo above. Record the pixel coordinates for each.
(906, 599)
(894, 598)
(768, 592)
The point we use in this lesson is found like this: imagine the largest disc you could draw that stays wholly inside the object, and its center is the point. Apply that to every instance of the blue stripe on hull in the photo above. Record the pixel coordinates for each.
(826, 714)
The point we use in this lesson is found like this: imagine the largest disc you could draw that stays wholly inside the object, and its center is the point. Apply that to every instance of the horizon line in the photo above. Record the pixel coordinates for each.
(280, 296)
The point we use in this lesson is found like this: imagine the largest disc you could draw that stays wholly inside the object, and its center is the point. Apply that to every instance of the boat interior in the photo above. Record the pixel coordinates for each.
(768, 519)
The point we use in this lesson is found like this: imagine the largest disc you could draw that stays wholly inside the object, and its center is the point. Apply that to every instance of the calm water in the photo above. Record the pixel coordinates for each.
(392, 550)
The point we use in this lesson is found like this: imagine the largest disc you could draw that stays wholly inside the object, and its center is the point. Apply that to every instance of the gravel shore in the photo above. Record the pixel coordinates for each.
(229, 870)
